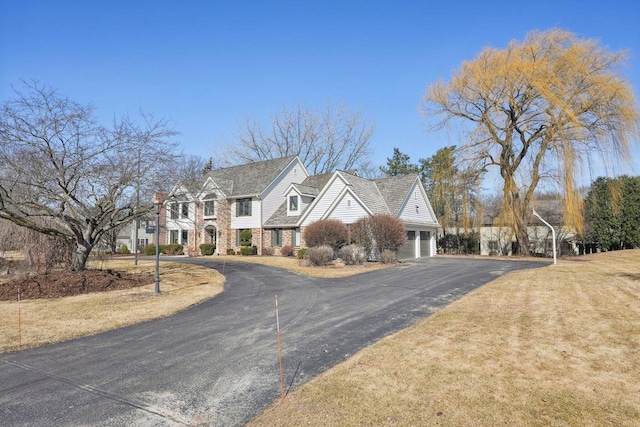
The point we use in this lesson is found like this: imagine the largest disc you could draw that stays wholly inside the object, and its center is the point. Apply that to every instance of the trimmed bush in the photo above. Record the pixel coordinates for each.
(320, 255)
(150, 250)
(302, 252)
(388, 232)
(207, 248)
(326, 232)
(287, 250)
(248, 250)
(231, 252)
(268, 251)
(362, 236)
(387, 257)
(353, 255)
(172, 249)
(124, 249)
(245, 237)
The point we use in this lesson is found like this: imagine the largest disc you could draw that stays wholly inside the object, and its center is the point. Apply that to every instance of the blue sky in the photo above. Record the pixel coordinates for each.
(206, 65)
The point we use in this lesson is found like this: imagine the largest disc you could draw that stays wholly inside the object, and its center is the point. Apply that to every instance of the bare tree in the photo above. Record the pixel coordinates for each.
(324, 140)
(539, 110)
(64, 175)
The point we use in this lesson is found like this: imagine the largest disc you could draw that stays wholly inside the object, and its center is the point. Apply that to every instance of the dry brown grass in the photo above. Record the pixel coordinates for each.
(47, 321)
(553, 346)
(298, 266)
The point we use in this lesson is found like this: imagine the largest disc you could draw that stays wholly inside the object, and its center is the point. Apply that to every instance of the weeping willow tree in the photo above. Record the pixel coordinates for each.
(540, 110)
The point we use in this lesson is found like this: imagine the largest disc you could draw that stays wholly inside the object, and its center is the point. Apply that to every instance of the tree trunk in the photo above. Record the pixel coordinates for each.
(80, 256)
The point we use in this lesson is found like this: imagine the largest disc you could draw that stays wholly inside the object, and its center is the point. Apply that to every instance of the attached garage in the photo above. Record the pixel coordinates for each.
(408, 250)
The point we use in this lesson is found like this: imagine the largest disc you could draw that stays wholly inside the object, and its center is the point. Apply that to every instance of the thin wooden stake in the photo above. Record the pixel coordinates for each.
(279, 352)
(19, 322)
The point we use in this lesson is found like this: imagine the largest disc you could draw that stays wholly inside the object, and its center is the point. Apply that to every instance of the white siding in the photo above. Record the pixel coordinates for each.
(252, 221)
(273, 196)
(416, 209)
(348, 210)
(325, 201)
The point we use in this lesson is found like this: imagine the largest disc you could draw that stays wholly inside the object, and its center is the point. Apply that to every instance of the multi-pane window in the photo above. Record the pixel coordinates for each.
(243, 207)
(184, 210)
(185, 237)
(210, 208)
(276, 237)
(493, 246)
(174, 210)
(293, 203)
(173, 236)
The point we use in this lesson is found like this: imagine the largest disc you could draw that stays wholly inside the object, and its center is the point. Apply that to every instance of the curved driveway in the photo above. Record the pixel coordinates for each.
(217, 362)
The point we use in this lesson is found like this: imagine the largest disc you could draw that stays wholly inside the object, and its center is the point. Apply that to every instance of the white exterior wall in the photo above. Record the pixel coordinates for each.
(180, 223)
(422, 214)
(348, 210)
(272, 197)
(252, 221)
(325, 201)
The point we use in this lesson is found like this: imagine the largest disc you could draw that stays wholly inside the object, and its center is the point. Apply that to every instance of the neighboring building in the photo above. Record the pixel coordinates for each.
(499, 240)
(276, 199)
(126, 234)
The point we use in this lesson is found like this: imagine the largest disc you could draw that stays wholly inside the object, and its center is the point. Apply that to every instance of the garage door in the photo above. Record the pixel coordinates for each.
(425, 243)
(408, 250)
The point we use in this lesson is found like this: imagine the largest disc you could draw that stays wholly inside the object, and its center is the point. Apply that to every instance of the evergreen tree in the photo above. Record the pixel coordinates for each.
(399, 164)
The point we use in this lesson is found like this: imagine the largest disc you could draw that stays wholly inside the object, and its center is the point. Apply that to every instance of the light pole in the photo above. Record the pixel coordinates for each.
(157, 205)
(553, 233)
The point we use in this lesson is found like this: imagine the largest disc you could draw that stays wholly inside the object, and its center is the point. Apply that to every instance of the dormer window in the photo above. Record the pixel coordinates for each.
(293, 203)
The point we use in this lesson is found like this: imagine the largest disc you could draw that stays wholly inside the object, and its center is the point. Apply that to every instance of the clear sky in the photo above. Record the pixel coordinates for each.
(206, 65)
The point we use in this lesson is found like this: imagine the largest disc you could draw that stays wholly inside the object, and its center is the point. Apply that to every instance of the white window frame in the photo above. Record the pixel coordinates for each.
(213, 211)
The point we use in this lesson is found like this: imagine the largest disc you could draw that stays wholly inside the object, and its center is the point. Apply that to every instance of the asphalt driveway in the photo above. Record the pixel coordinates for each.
(217, 362)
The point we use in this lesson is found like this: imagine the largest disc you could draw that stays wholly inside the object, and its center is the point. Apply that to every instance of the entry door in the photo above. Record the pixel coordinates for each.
(425, 243)
(408, 250)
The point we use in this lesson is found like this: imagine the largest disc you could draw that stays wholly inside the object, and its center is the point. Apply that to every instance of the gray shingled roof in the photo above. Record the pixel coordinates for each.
(250, 179)
(311, 185)
(280, 218)
(394, 190)
(306, 189)
(381, 196)
(368, 192)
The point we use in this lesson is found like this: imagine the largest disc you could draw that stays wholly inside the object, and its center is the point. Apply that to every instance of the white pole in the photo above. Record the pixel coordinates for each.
(553, 233)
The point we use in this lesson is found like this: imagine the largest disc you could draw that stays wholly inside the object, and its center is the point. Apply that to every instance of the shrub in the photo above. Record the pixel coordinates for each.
(245, 238)
(302, 252)
(362, 236)
(231, 252)
(326, 232)
(248, 250)
(387, 257)
(172, 249)
(207, 248)
(287, 250)
(268, 250)
(353, 255)
(150, 250)
(320, 255)
(388, 232)
(124, 249)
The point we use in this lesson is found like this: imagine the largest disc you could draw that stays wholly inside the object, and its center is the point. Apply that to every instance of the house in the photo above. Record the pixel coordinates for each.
(496, 239)
(126, 234)
(273, 201)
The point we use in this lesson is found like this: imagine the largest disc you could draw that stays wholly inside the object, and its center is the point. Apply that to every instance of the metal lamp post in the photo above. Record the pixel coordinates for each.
(157, 205)
(553, 233)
